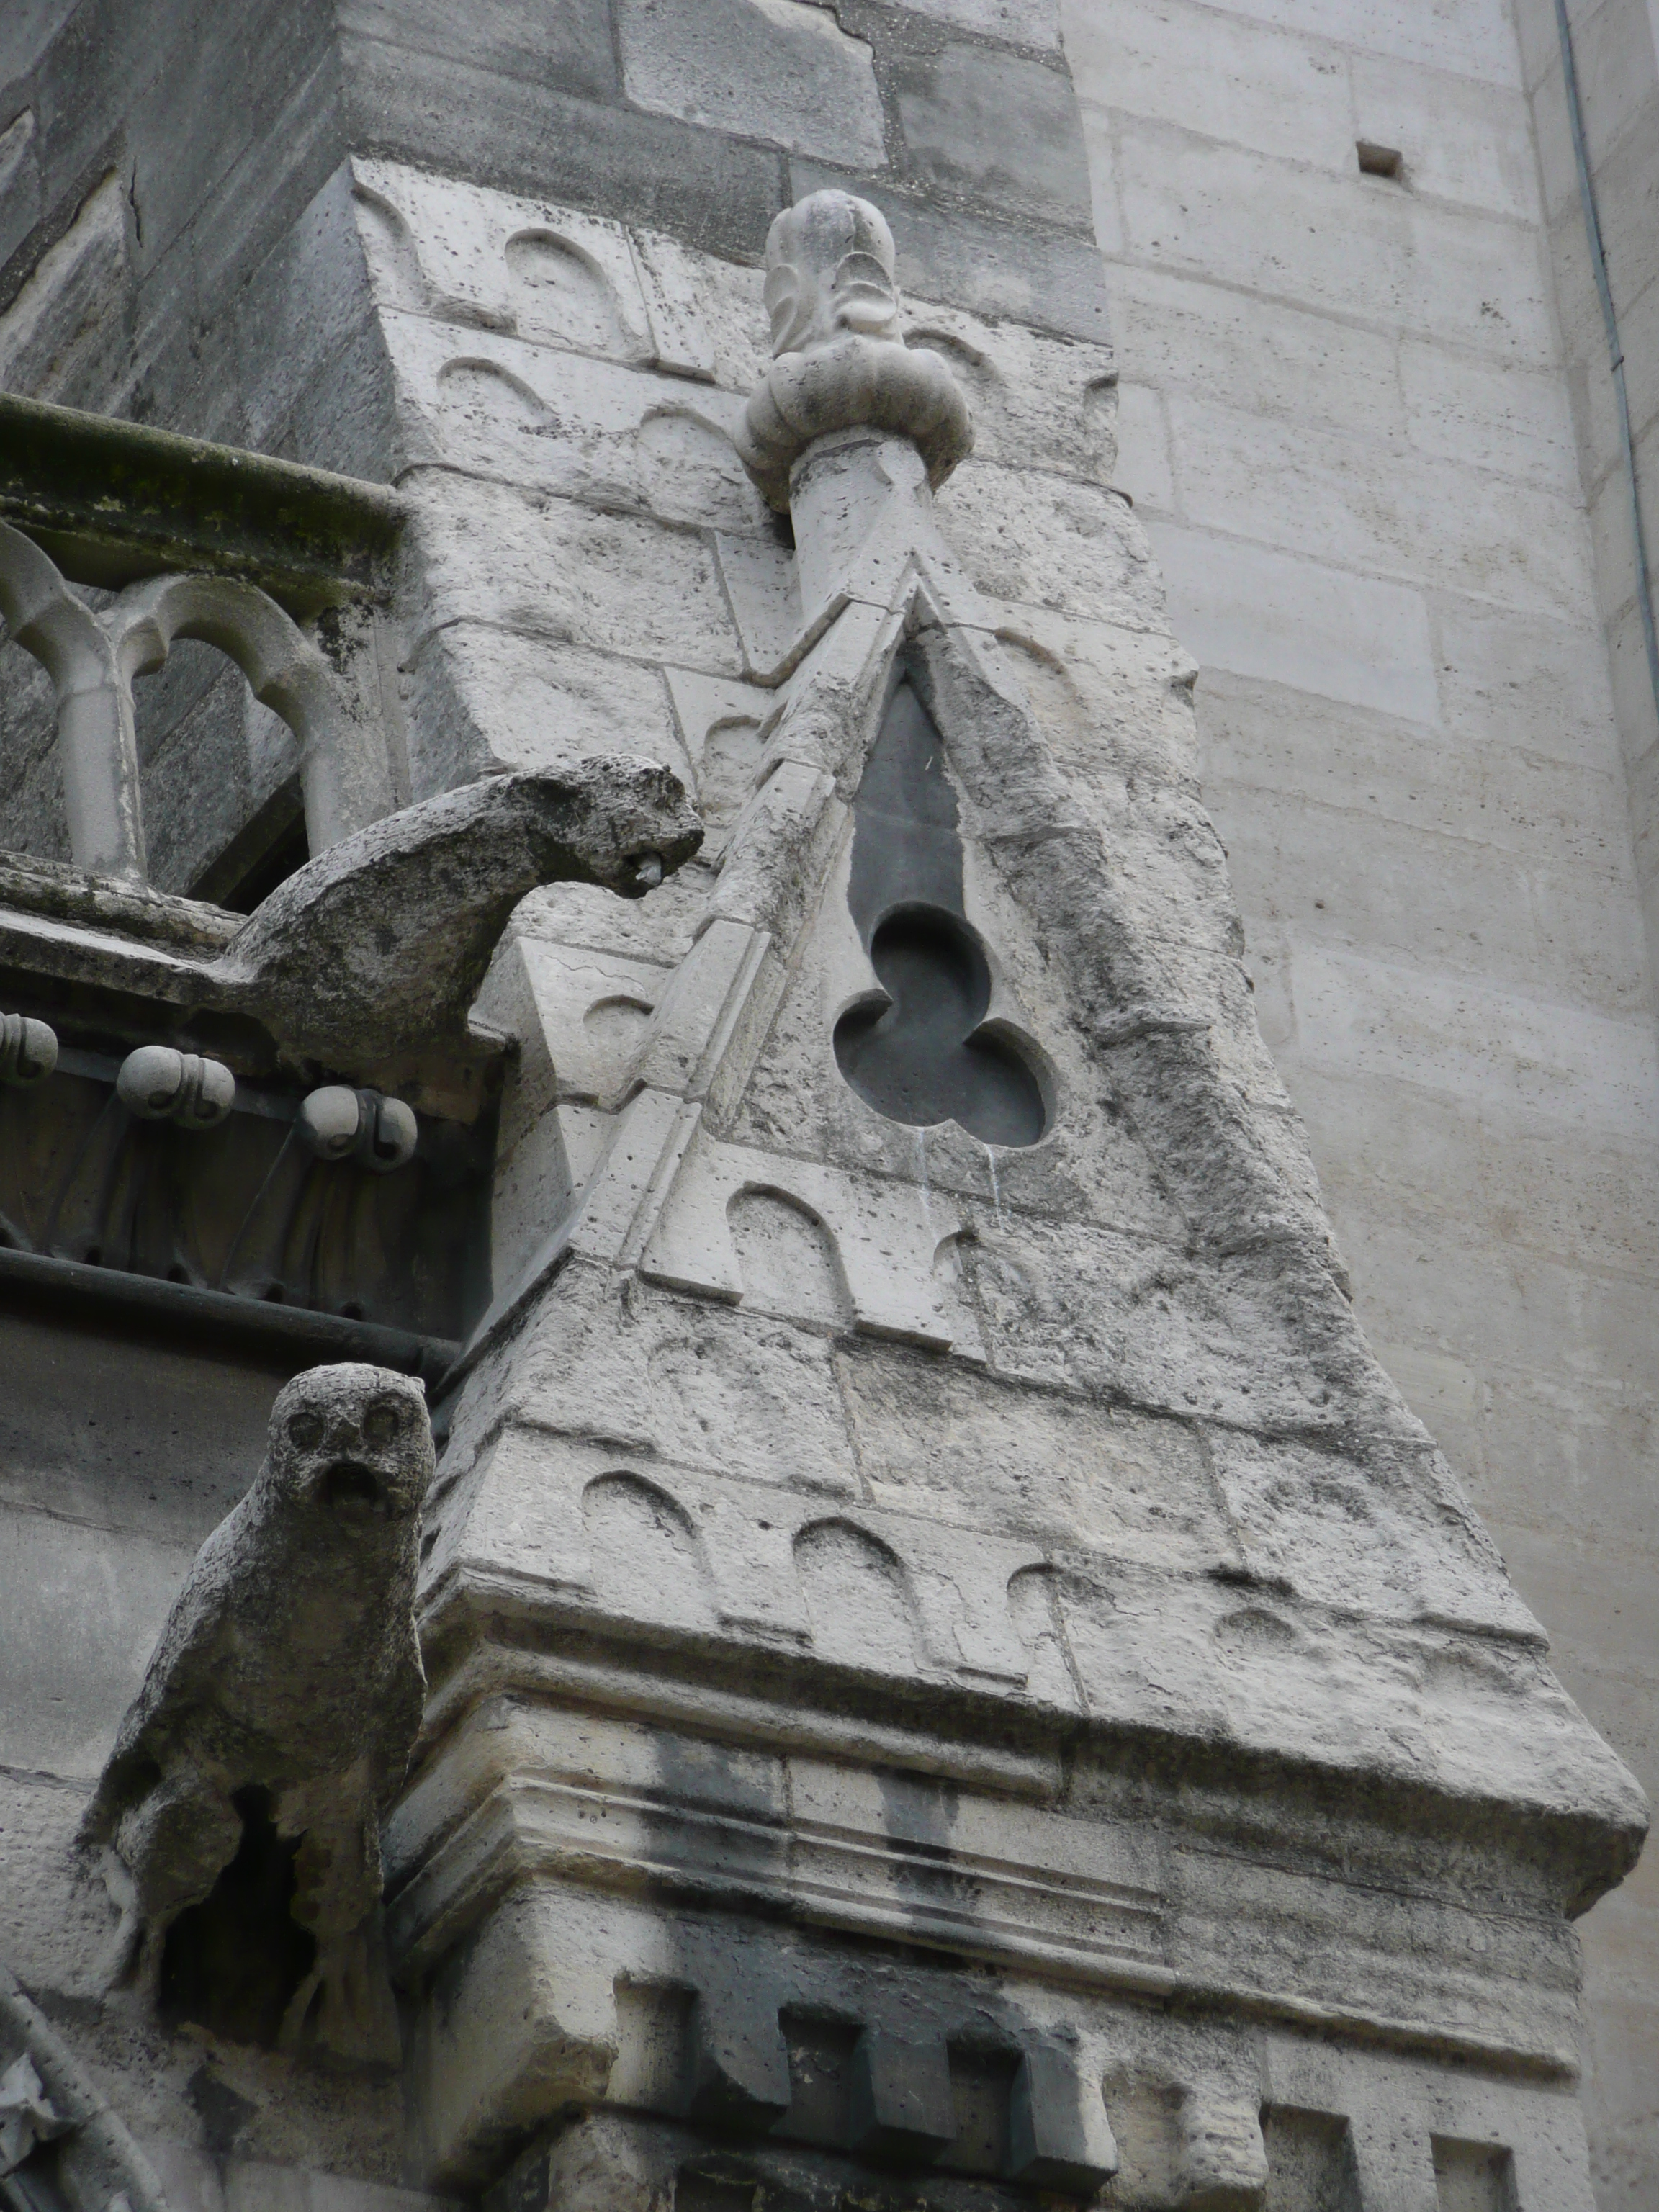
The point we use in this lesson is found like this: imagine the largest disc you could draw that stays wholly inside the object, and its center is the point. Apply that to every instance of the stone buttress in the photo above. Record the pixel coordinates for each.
(954, 1673)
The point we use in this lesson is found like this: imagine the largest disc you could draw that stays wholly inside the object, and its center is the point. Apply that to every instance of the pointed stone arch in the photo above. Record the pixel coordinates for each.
(1170, 1024)
(787, 1257)
(563, 291)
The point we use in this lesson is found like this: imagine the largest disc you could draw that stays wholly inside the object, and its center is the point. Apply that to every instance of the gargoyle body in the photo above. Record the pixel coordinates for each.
(382, 941)
(239, 1813)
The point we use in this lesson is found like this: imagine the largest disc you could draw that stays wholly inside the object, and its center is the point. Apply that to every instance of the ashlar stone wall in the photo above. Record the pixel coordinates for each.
(1347, 415)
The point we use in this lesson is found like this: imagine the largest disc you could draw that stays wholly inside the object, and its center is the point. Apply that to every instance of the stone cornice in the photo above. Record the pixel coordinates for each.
(486, 1629)
(112, 501)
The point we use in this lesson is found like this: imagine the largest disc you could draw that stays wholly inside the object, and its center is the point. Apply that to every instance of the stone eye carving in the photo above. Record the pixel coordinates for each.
(381, 1423)
(923, 1057)
(923, 1053)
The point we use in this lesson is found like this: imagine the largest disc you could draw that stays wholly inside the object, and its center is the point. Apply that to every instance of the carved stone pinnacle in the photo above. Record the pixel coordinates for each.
(840, 362)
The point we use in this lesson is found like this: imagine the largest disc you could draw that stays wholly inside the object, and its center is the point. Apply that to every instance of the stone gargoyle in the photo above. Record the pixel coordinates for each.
(238, 1819)
(378, 944)
(383, 940)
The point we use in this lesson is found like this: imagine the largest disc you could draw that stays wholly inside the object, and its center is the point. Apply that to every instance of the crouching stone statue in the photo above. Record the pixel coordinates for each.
(238, 1818)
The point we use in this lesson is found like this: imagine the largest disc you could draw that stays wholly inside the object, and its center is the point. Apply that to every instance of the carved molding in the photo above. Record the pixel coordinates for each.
(588, 1804)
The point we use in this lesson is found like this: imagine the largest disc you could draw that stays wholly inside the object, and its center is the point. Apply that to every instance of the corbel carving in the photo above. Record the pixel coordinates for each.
(158, 1083)
(338, 1123)
(840, 362)
(238, 1817)
(28, 1051)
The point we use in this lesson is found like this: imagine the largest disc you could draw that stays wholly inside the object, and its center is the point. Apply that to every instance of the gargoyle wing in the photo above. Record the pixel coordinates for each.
(179, 1680)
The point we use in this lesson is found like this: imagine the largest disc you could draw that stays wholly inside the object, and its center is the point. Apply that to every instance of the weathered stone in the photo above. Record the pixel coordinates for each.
(426, 109)
(492, 703)
(551, 421)
(1110, 1684)
(614, 583)
(995, 127)
(283, 1697)
(1051, 545)
(1023, 22)
(573, 50)
(64, 336)
(326, 974)
(20, 181)
(902, 2106)
(1058, 2134)
(734, 63)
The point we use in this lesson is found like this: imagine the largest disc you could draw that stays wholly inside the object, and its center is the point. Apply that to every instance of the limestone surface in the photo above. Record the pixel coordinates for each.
(951, 1667)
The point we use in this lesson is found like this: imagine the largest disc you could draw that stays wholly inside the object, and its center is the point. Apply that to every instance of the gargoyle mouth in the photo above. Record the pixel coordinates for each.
(641, 872)
(347, 1485)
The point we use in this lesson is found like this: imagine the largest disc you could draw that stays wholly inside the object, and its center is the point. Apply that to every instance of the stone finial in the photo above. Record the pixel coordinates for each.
(840, 362)
(239, 1815)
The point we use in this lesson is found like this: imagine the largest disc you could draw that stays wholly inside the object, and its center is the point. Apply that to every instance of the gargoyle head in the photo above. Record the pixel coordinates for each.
(352, 1443)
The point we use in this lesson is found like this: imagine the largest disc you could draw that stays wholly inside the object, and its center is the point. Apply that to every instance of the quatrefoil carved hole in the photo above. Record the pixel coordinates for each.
(921, 1052)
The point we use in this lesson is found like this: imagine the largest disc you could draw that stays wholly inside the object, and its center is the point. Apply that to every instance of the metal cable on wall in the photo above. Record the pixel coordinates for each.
(1615, 348)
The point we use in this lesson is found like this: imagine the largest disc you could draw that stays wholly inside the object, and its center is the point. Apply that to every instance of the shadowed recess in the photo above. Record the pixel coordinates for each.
(923, 1058)
(235, 1962)
(920, 1055)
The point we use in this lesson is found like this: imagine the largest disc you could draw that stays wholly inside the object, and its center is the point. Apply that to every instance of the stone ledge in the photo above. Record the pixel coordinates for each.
(1565, 1806)
(194, 2181)
(112, 501)
(35, 1279)
(60, 891)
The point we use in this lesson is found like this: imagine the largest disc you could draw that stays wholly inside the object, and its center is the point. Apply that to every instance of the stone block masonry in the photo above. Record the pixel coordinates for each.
(1458, 986)
(954, 1675)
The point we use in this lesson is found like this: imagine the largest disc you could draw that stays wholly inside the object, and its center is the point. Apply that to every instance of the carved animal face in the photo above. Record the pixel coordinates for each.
(352, 1443)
